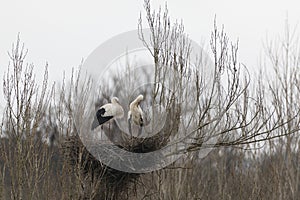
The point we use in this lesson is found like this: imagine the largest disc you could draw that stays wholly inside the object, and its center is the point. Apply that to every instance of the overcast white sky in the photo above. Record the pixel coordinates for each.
(62, 32)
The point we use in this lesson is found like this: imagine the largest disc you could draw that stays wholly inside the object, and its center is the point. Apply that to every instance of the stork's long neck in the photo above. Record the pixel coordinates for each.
(134, 103)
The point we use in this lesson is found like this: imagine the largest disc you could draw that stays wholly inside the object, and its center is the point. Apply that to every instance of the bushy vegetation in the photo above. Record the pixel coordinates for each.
(256, 121)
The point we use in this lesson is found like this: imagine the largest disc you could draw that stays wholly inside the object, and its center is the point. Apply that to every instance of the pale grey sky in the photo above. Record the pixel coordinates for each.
(63, 32)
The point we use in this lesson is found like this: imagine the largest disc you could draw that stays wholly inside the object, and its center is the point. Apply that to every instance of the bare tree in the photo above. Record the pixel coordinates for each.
(26, 158)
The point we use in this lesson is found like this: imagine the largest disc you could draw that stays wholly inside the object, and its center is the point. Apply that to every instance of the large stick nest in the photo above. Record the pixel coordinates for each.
(114, 184)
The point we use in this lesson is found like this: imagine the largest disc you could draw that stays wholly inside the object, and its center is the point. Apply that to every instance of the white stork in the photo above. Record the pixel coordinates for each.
(136, 114)
(108, 111)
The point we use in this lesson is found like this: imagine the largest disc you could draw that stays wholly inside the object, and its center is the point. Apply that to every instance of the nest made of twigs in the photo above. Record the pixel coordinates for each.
(113, 184)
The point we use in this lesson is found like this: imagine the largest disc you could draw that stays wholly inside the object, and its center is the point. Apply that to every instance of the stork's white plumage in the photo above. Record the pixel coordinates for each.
(108, 112)
(136, 114)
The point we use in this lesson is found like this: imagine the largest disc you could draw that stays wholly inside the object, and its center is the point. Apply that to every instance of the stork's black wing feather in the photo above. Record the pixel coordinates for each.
(95, 123)
(141, 121)
(99, 119)
(102, 120)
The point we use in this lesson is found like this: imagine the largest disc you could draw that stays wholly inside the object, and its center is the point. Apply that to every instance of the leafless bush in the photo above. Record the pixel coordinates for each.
(26, 159)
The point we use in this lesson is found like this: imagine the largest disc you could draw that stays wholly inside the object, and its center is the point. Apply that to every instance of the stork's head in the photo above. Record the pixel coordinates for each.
(140, 98)
(137, 101)
(115, 100)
